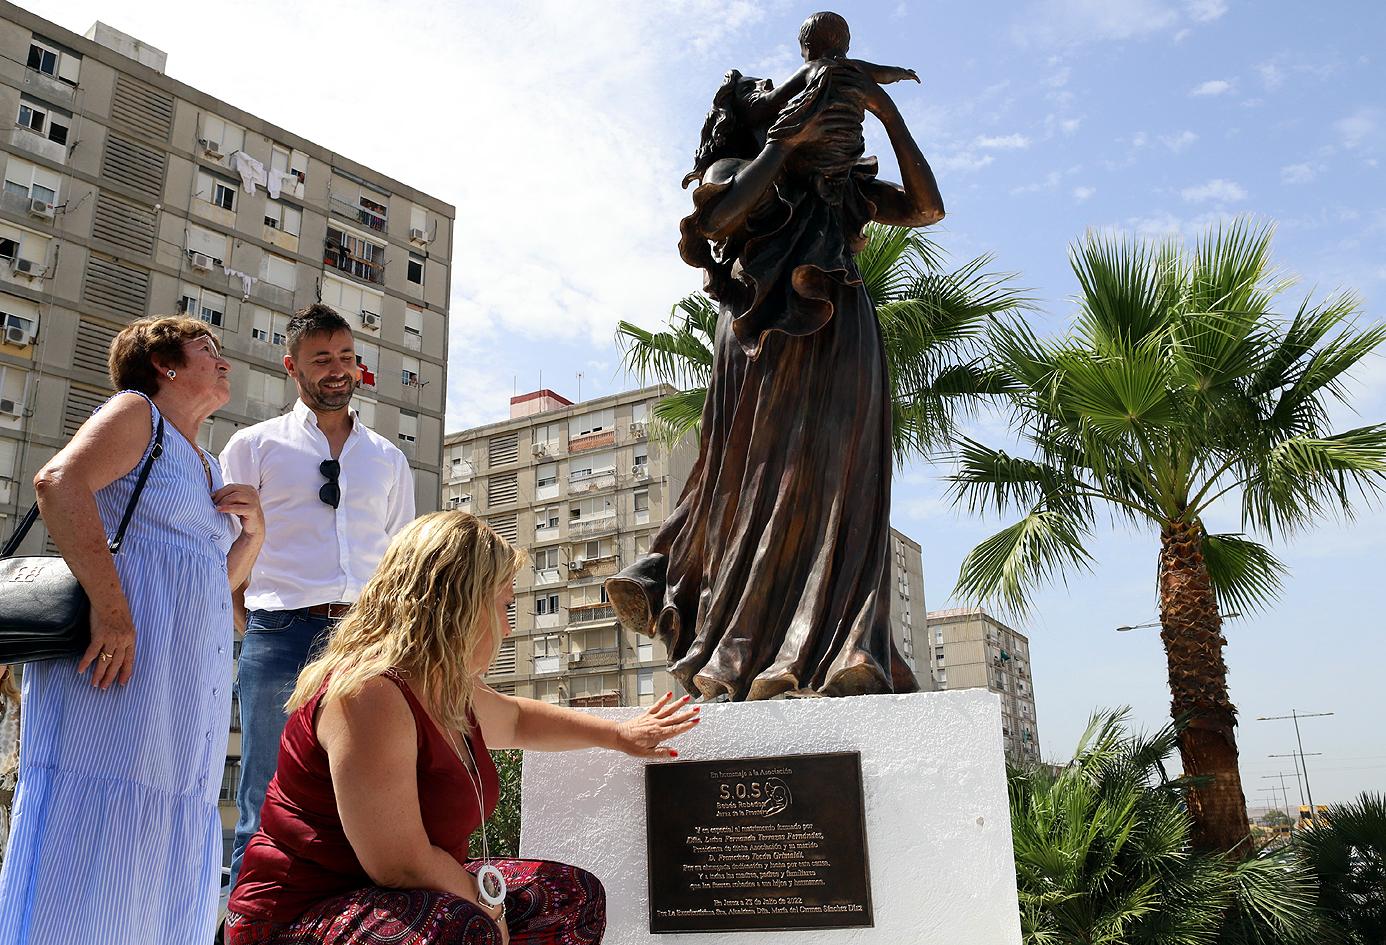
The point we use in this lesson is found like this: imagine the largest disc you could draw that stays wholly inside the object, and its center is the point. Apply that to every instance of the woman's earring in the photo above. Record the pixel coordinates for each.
(172, 372)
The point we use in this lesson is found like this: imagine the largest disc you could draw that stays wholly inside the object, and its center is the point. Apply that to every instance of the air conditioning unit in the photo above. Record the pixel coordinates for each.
(640, 471)
(211, 148)
(24, 267)
(14, 335)
(540, 449)
(417, 235)
(577, 564)
(370, 320)
(202, 262)
(10, 408)
(41, 208)
(637, 429)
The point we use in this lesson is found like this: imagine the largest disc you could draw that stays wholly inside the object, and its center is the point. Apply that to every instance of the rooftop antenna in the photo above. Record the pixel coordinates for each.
(579, 379)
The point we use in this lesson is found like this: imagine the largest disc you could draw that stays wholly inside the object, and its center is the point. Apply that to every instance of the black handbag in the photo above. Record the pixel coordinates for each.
(44, 613)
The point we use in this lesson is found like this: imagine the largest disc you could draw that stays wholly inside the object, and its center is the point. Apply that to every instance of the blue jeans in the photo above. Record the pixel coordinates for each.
(277, 644)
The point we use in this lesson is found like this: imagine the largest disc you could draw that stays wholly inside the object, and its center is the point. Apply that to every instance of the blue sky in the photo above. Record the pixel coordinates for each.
(560, 130)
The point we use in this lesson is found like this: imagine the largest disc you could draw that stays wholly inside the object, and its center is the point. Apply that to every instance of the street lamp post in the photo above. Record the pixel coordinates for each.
(1294, 757)
(1283, 793)
(1296, 716)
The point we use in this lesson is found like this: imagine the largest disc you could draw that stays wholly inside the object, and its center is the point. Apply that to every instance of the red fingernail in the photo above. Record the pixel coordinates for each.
(672, 753)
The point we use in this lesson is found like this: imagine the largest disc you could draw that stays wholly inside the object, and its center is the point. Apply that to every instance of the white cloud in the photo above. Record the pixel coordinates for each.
(1205, 11)
(962, 162)
(1272, 75)
(1050, 182)
(1216, 191)
(1015, 142)
(1069, 125)
(1083, 193)
(1212, 87)
(1297, 173)
(1180, 141)
(1360, 128)
(1073, 22)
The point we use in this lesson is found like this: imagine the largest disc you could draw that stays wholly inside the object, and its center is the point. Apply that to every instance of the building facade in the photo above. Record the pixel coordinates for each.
(911, 632)
(127, 193)
(582, 488)
(971, 649)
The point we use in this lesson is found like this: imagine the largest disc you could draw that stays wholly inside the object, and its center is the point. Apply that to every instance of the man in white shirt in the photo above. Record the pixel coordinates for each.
(334, 493)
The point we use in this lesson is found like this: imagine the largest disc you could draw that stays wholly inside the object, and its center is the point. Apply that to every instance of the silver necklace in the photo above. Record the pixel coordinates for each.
(490, 881)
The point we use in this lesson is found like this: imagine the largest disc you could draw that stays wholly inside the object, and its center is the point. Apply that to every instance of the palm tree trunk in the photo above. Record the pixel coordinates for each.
(1191, 630)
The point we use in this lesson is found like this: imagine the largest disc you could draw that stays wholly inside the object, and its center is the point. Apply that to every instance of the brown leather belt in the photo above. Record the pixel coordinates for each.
(328, 610)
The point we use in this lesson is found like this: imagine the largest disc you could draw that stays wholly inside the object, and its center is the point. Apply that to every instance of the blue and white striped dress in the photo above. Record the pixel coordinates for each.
(115, 836)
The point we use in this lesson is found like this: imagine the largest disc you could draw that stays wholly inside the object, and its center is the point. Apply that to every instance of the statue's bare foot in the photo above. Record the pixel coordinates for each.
(716, 697)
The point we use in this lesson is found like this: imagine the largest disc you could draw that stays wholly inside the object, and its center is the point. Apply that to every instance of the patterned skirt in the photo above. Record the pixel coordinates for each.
(545, 904)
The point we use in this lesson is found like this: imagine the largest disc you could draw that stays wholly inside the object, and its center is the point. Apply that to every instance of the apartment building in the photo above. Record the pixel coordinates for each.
(583, 488)
(971, 649)
(127, 193)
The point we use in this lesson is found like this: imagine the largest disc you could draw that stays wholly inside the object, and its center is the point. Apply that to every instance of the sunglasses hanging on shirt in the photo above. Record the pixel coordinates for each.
(331, 491)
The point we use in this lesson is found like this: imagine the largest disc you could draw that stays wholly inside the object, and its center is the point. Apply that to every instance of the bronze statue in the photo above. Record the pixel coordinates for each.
(772, 577)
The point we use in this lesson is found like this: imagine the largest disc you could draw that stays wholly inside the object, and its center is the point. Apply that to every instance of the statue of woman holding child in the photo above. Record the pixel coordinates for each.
(772, 577)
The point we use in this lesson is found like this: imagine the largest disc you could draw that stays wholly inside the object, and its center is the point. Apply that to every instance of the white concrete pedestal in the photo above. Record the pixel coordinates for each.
(937, 824)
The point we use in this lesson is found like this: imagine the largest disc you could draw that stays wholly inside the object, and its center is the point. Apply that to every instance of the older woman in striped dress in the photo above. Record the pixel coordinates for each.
(115, 836)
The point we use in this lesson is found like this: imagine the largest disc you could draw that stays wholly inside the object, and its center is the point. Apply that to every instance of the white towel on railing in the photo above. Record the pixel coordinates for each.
(252, 172)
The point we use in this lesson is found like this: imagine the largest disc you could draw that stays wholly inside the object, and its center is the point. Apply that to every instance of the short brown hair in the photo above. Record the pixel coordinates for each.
(133, 351)
(316, 319)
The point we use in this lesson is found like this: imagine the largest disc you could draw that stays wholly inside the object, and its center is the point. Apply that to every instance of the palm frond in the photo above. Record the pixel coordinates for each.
(1304, 478)
(1007, 566)
(679, 415)
(1246, 576)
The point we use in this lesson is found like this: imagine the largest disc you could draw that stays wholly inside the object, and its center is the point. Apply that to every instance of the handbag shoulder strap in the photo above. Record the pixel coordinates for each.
(12, 545)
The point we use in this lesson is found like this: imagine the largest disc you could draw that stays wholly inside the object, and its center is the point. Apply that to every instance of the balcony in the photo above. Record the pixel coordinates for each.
(591, 480)
(594, 657)
(367, 213)
(605, 566)
(592, 525)
(22, 139)
(592, 441)
(368, 268)
(582, 614)
(548, 576)
(548, 621)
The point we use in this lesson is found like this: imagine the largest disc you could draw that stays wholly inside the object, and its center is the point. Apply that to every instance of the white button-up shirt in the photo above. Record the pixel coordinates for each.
(314, 554)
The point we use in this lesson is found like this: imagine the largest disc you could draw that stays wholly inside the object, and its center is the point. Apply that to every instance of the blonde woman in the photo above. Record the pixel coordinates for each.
(384, 772)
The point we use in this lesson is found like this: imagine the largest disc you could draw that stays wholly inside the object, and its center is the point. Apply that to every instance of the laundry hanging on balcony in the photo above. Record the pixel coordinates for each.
(247, 280)
(253, 174)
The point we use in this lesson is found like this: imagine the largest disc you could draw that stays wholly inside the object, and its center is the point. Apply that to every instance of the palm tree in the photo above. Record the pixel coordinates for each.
(932, 321)
(1178, 391)
(1348, 854)
(1103, 856)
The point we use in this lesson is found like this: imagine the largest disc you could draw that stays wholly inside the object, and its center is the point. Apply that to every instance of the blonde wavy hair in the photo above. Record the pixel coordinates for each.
(428, 611)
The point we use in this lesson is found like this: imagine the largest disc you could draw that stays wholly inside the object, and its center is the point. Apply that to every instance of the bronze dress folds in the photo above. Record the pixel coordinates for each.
(773, 573)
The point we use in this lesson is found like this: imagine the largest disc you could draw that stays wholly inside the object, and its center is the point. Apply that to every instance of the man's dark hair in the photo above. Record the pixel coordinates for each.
(315, 319)
(826, 35)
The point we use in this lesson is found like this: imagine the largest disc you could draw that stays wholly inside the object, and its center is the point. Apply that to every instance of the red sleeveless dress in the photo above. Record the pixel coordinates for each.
(302, 884)
(301, 855)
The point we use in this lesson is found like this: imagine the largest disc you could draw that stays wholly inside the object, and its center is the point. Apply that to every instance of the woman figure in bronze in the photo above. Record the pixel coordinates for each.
(772, 577)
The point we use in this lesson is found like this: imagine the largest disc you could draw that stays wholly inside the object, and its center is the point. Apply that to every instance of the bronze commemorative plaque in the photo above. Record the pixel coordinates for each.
(757, 844)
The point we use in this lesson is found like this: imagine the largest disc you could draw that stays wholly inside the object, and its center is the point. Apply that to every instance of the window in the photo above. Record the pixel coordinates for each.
(9, 248)
(639, 413)
(546, 604)
(219, 137)
(644, 651)
(408, 426)
(224, 195)
(269, 327)
(546, 433)
(354, 255)
(229, 778)
(642, 500)
(409, 374)
(547, 652)
(373, 214)
(286, 161)
(941, 675)
(546, 517)
(642, 457)
(367, 361)
(595, 422)
(938, 653)
(199, 239)
(545, 559)
(30, 180)
(546, 475)
(265, 389)
(204, 304)
(278, 271)
(47, 58)
(591, 464)
(413, 327)
(644, 682)
(283, 216)
(416, 269)
(217, 191)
